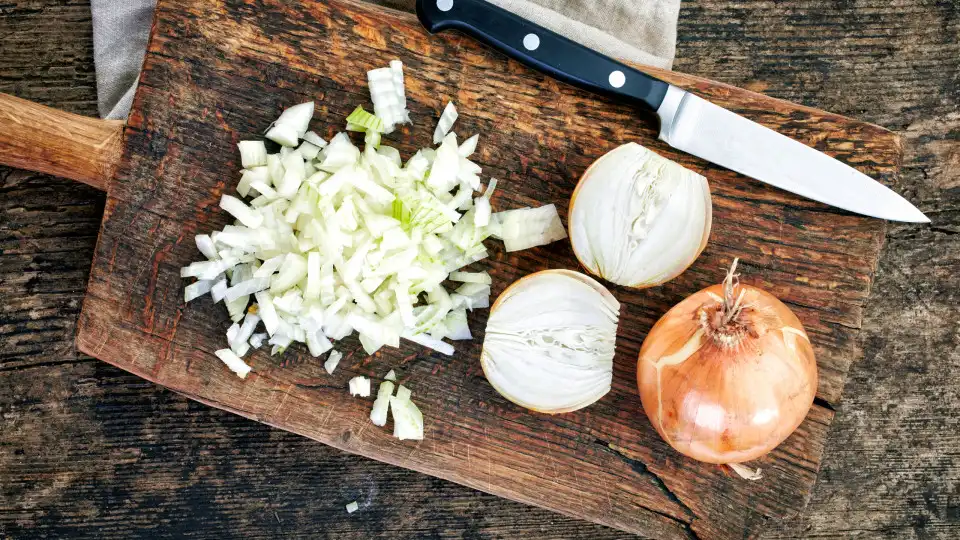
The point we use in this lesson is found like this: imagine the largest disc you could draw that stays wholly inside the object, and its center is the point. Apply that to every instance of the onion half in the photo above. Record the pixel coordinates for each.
(550, 341)
(638, 219)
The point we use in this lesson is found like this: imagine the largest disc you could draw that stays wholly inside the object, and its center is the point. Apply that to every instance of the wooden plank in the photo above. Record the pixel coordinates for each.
(218, 72)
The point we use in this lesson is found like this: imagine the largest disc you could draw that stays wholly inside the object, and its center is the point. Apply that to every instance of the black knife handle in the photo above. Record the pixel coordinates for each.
(542, 49)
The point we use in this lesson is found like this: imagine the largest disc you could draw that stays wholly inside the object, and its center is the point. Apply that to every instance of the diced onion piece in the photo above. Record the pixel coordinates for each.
(293, 270)
(243, 213)
(208, 269)
(403, 393)
(378, 415)
(405, 304)
(233, 362)
(267, 312)
(260, 175)
(390, 376)
(205, 245)
(312, 292)
(447, 118)
(463, 196)
(332, 361)
(407, 419)
(294, 173)
(352, 507)
(375, 331)
(446, 165)
(252, 153)
(297, 117)
(471, 277)
(530, 227)
(232, 332)
(308, 151)
(457, 325)
(387, 97)
(269, 266)
(361, 120)
(339, 153)
(256, 340)
(246, 288)
(469, 146)
(396, 69)
(314, 139)
(237, 307)
(284, 135)
(430, 343)
(244, 333)
(197, 289)
(491, 187)
(360, 386)
(376, 192)
(219, 290)
(317, 343)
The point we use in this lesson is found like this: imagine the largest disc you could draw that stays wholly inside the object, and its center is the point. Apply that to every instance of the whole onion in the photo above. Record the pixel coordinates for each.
(727, 374)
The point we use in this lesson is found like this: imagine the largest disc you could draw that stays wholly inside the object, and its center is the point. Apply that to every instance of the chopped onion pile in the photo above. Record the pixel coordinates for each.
(335, 240)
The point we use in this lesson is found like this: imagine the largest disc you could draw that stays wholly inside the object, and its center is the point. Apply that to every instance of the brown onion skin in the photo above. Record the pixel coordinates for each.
(748, 399)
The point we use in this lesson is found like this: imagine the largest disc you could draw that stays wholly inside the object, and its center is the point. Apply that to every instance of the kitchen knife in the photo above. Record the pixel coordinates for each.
(687, 122)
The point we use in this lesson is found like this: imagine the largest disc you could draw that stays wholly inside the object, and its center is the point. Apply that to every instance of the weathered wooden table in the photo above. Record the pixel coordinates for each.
(88, 450)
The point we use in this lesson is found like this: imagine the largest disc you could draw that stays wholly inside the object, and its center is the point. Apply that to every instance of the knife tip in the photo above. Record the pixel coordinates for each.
(914, 216)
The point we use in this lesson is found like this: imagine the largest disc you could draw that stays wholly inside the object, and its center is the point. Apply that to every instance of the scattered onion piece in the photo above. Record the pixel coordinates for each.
(233, 362)
(332, 361)
(445, 123)
(360, 386)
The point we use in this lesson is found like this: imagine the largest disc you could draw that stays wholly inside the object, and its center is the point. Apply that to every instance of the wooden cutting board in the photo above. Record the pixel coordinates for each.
(219, 71)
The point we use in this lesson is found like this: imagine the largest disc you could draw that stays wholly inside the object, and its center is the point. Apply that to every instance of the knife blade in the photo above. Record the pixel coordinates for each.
(687, 122)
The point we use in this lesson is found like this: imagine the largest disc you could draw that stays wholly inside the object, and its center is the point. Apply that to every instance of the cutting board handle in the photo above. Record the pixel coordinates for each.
(41, 139)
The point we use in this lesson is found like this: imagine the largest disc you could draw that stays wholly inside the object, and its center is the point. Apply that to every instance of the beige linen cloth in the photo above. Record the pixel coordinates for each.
(643, 31)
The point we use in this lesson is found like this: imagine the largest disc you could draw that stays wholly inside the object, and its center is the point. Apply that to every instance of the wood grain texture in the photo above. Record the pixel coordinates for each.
(90, 451)
(47, 140)
(217, 73)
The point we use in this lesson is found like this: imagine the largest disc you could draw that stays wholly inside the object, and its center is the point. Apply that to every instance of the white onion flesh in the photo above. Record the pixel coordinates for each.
(378, 414)
(407, 418)
(360, 386)
(388, 95)
(252, 153)
(525, 228)
(638, 219)
(445, 123)
(332, 361)
(550, 341)
(314, 139)
(234, 362)
(469, 146)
